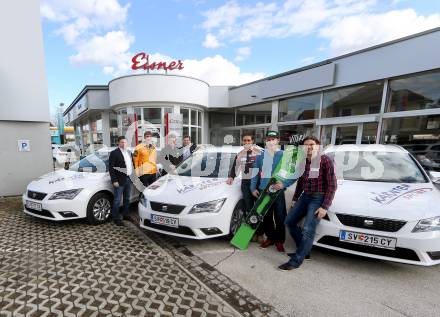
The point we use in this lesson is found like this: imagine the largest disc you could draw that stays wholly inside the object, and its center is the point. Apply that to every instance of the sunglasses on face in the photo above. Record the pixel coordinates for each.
(247, 140)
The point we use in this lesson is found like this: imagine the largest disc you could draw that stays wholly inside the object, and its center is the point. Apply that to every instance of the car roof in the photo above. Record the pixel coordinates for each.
(366, 148)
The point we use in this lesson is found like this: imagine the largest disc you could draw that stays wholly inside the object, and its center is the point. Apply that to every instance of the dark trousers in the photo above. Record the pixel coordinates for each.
(121, 190)
(147, 179)
(306, 206)
(248, 198)
(276, 232)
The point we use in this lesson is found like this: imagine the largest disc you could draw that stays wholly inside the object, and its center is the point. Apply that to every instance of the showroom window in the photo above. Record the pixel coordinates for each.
(192, 124)
(255, 114)
(352, 101)
(290, 134)
(419, 134)
(415, 92)
(221, 118)
(96, 132)
(299, 108)
(114, 131)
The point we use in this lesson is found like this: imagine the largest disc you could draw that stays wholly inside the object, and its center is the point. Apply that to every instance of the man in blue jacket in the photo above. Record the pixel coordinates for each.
(264, 166)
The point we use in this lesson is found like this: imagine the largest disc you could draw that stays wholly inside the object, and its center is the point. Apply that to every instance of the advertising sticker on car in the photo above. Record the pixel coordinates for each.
(368, 239)
(165, 221)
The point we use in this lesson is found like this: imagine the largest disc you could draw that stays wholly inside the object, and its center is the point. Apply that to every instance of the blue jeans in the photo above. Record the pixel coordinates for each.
(118, 192)
(306, 206)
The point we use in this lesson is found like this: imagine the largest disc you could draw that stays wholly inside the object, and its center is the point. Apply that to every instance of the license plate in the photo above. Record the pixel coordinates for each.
(165, 221)
(33, 205)
(368, 239)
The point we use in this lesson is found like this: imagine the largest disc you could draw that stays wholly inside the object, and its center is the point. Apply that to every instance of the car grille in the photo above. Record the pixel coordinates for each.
(166, 208)
(180, 230)
(36, 195)
(44, 212)
(387, 225)
(398, 253)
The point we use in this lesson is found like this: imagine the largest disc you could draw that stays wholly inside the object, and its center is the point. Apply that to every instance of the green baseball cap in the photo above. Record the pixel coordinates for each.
(272, 134)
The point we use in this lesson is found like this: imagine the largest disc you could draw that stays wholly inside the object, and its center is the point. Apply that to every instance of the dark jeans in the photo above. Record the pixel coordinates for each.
(147, 179)
(248, 198)
(306, 206)
(276, 232)
(118, 192)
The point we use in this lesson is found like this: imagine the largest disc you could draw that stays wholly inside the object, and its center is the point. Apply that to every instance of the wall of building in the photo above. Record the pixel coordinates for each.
(19, 168)
(98, 99)
(158, 88)
(24, 105)
(413, 54)
(23, 86)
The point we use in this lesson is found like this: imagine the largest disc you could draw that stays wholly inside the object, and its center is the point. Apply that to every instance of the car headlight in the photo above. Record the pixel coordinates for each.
(430, 224)
(210, 206)
(143, 200)
(66, 194)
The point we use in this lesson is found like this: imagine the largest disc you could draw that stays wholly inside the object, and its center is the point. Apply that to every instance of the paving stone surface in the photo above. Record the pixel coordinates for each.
(239, 298)
(75, 269)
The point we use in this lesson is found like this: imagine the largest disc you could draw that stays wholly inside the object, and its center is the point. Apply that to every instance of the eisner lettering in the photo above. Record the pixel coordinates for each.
(141, 61)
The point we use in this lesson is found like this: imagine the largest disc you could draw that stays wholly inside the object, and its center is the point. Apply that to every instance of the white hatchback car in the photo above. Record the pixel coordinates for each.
(83, 191)
(195, 201)
(385, 207)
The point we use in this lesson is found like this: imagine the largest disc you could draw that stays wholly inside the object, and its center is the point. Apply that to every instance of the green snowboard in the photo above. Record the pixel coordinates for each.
(284, 170)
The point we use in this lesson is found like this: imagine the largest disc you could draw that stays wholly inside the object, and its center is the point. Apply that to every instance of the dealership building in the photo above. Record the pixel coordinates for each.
(389, 93)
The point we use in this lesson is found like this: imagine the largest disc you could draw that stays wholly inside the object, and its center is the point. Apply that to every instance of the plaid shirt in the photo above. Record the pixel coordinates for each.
(325, 182)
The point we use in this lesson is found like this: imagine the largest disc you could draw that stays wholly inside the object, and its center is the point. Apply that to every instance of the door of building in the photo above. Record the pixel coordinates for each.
(355, 133)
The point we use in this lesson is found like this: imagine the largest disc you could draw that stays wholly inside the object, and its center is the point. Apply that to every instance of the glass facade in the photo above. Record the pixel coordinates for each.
(193, 125)
(299, 108)
(221, 118)
(414, 92)
(290, 134)
(255, 114)
(353, 101)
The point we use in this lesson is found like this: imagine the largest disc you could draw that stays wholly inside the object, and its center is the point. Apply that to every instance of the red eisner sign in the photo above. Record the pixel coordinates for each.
(140, 61)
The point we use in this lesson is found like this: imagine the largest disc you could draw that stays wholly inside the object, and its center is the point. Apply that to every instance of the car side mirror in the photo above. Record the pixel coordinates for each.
(435, 177)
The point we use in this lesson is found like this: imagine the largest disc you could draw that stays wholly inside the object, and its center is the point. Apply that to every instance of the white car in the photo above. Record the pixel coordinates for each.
(62, 153)
(83, 191)
(195, 202)
(386, 206)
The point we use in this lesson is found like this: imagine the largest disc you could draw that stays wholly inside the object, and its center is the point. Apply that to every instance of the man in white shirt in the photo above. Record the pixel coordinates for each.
(120, 169)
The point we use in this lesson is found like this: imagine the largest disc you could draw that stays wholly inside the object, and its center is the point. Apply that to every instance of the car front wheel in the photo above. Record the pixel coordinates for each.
(236, 219)
(99, 208)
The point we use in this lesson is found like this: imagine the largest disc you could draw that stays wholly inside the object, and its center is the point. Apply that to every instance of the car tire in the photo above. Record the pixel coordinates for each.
(236, 219)
(99, 208)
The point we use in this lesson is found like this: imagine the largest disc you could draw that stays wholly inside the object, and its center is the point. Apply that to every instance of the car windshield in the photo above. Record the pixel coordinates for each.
(207, 164)
(93, 163)
(392, 167)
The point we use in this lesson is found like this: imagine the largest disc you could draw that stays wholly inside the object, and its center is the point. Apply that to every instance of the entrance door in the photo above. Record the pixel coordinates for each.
(358, 133)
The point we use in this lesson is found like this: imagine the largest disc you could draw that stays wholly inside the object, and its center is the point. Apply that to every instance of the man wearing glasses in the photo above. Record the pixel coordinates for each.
(244, 162)
(144, 158)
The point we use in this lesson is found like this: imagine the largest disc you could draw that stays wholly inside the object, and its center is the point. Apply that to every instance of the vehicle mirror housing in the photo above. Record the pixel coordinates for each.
(435, 177)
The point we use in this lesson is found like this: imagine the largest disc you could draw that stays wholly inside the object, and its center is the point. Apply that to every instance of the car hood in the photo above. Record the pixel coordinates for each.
(63, 180)
(403, 201)
(184, 190)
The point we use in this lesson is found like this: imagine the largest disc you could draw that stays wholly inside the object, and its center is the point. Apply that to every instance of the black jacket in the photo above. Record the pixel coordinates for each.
(192, 148)
(116, 159)
(170, 156)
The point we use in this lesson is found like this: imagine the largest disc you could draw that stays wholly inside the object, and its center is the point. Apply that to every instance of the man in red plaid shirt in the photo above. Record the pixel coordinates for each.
(313, 196)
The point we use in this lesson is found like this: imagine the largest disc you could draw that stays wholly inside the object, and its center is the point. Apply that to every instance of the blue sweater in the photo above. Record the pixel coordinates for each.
(263, 168)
